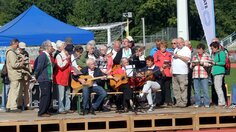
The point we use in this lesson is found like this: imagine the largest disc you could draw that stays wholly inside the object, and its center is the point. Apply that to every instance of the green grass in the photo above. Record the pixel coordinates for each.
(231, 79)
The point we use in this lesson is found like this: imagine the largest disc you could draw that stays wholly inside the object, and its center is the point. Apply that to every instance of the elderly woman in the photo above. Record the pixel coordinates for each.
(200, 64)
(218, 71)
(43, 74)
(162, 59)
(125, 88)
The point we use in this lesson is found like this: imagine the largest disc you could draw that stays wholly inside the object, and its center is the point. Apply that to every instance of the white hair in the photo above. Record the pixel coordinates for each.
(89, 46)
(103, 47)
(123, 59)
(90, 60)
(46, 44)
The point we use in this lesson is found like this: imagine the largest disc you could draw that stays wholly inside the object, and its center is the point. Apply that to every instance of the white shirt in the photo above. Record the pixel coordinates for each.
(74, 63)
(61, 59)
(91, 74)
(113, 54)
(126, 53)
(151, 68)
(92, 56)
(178, 65)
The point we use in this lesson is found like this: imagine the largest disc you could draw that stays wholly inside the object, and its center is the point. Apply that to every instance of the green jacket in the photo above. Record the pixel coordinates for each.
(82, 61)
(219, 67)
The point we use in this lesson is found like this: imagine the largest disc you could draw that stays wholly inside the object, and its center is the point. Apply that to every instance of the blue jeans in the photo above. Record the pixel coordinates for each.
(64, 98)
(201, 83)
(86, 96)
(5, 90)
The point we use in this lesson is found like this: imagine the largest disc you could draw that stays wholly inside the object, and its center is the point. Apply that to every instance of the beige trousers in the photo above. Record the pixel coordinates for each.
(180, 86)
(13, 94)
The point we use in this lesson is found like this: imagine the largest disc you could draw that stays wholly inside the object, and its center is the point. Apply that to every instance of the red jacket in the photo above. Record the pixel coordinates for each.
(62, 70)
(161, 58)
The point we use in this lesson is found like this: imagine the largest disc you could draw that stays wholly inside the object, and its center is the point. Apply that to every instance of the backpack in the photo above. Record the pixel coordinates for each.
(227, 61)
(4, 68)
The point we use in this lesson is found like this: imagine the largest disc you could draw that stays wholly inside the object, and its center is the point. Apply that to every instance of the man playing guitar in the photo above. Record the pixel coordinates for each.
(150, 85)
(91, 70)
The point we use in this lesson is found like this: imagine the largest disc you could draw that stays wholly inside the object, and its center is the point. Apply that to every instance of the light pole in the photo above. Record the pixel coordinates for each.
(127, 15)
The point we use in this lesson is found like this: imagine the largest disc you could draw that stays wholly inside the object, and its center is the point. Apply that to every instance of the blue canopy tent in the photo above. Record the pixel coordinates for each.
(35, 26)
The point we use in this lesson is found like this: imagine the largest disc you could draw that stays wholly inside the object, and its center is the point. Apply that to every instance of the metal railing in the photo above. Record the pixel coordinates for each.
(227, 41)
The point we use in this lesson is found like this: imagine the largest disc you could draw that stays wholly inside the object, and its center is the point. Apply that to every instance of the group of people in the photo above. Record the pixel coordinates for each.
(163, 78)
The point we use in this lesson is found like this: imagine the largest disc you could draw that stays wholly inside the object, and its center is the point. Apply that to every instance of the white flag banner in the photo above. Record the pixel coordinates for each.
(206, 12)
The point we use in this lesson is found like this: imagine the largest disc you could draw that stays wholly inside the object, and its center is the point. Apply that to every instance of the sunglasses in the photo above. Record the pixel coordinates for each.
(173, 43)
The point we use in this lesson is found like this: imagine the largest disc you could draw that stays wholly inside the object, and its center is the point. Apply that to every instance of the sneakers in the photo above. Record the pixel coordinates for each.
(196, 106)
(92, 110)
(14, 111)
(141, 97)
(62, 112)
(151, 108)
(207, 106)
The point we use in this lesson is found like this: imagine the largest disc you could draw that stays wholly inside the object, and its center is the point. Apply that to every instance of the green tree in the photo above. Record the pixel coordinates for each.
(12, 8)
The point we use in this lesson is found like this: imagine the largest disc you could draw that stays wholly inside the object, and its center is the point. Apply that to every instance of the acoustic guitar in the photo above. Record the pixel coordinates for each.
(144, 76)
(118, 80)
(76, 85)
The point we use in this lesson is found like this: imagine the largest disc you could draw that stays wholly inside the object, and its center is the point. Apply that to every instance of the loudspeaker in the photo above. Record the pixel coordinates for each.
(54, 99)
(35, 96)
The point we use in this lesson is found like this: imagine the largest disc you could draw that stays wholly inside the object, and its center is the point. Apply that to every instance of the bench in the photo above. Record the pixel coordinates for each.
(80, 96)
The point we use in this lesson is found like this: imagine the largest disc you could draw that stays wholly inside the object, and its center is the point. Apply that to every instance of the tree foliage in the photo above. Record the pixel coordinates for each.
(158, 14)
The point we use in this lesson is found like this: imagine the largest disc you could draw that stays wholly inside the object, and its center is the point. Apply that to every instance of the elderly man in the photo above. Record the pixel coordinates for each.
(91, 70)
(116, 52)
(173, 46)
(14, 65)
(181, 57)
(43, 73)
(90, 53)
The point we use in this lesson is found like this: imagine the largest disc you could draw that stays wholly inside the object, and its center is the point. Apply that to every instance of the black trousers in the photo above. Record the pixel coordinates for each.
(123, 99)
(190, 86)
(165, 90)
(45, 98)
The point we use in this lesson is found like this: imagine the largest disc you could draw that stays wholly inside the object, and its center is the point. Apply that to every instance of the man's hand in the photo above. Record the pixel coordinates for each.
(33, 79)
(82, 81)
(68, 57)
(103, 78)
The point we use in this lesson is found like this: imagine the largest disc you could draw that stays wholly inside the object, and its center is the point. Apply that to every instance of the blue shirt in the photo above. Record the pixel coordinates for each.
(171, 50)
(153, 51)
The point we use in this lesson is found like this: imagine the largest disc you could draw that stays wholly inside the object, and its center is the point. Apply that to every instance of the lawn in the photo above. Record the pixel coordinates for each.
(231, 79)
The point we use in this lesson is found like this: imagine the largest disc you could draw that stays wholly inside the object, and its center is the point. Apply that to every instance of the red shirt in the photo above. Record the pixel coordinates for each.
(161, 58)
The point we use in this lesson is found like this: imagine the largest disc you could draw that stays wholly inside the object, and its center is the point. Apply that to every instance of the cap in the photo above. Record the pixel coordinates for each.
(130, 38)
(22, 45)
(54, 45)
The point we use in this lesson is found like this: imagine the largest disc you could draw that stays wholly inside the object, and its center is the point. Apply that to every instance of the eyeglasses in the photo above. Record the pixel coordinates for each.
(173, 43)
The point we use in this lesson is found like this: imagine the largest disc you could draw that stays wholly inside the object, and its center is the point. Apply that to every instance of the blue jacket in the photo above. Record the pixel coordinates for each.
(43, 71)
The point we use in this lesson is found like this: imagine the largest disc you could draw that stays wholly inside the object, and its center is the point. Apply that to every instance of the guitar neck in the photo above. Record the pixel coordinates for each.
(96, 78)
